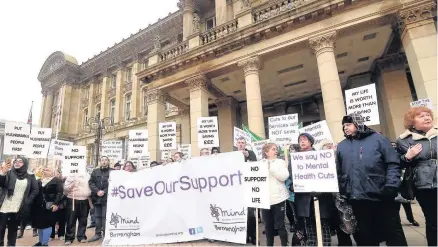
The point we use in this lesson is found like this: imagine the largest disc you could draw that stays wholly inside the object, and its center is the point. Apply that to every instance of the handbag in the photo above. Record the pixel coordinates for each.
(47, 205)
(407, 184)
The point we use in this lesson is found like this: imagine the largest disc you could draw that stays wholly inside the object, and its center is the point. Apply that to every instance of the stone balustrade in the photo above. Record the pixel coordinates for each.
(276, 8)
(219, 32)
(175, 51)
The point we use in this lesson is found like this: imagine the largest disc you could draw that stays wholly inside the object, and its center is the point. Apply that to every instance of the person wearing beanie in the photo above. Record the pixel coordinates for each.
(369, 177)
(18, 190)
(304, 207)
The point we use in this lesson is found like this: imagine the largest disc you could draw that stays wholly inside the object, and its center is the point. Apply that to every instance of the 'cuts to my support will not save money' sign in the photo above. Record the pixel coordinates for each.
(40, 139)
(17, 141)
(283, 130)
(167, 133)
(314, 171)
(256, 184)
(208, 132)
(74, 162)
(363, 101)
(138, 143)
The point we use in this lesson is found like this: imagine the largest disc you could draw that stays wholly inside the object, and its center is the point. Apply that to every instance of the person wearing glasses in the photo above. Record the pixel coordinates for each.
(18, 190)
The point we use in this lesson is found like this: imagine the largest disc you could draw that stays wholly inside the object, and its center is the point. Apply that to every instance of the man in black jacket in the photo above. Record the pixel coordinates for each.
(251, 224)
(99, 192)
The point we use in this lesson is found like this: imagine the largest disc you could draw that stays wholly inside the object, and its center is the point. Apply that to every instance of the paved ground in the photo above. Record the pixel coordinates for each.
(414, 235)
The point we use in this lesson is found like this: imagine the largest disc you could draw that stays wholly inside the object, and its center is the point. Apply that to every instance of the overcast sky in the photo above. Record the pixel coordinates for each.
(32, 30)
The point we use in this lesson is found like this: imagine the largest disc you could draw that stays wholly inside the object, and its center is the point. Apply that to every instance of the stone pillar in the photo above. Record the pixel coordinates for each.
(135, 97)
(396, 91)
(323, 47)
(230, 10)
(419, 38)
(91, 107)
(43, 101)
(187, 7)
(185, 126)
(227, 120)
(67, 92)
(118, 114)
(221, 11)
(251, 69)
(321, 110)
(48, 110)
(104, 103)
(198, 107)
(156, 114)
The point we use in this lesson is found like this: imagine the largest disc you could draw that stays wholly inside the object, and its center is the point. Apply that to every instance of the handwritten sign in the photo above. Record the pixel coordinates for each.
(17, 139)
(142, 161)
(57, 148)
(423, 102)
(166, 154)
(363, 101)
(283, 130)
(138, 143)
(256, 185)
(74, 162)
(40, 140)
(167, 133)
(319, 131)
(257, 147)
(314, 171)
(113, 149)
(208, 132)
(240, 133)
(186, 149)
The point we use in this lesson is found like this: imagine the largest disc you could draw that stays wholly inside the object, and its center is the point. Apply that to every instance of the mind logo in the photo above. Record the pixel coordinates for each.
(214, 211)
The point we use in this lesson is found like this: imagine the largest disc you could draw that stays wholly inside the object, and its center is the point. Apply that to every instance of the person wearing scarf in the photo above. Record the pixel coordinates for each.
(45, 205)
(18, 189)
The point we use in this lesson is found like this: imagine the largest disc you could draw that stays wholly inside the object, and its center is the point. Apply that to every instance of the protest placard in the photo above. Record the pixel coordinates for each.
(142, 161)
(17, 139)
(166, 154)
(208, 132)
(363, 101)
(240, 133)
(257, 147)
(74, 162)
(113, 149)
(137, 143)
(314, 171)
(40, 140)
(283, 130)
(256, 184)
(167, 133)
(319, 131)
(423, 102)
(186, 149)
(57, 148)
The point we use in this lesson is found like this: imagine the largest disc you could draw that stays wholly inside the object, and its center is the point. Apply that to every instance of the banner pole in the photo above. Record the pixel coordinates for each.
(318, 221)
(257, 226)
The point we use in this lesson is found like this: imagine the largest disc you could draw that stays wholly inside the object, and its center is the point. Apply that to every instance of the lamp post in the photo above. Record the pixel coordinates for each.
(100, 126)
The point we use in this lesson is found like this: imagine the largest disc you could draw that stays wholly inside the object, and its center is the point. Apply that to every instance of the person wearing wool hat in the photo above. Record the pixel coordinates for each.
(369, 177)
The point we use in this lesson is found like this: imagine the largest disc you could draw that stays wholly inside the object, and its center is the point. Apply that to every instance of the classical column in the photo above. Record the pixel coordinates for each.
(185, 126)
(42, 108)
(104, 103)
(118, 114)
(251, 69)
(66, 93)
(135, 97)
(187, 8)
(419, 38)
(91, 94)
(156, 113)
(323, 47)
(221, 12)
(230, 10)
(395, 91)
(48, 109)
(227, 120)
(198, 107)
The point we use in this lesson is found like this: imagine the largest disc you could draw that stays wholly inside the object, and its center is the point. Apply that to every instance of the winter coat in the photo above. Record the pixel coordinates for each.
(99, 181)
(29, 195)
(425, 163)
(42, 217)
(251, 156)
(278, 174)
(368, 166)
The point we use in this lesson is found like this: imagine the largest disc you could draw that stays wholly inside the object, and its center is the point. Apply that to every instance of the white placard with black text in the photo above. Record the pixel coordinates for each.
(58, 148)
(138, 143)
(283, 130)
(257, 148)
(17, 139)
(186, 149)
(240, 133)
(363, 101)
(142, 161)
(167, 132)
(75, 162)
(319, 131)
(208, 132)
(256, 184)
(40, 139)
(113, 149)
(423, 102)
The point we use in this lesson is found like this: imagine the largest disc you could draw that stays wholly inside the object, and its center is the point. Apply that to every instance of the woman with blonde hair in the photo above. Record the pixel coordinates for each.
(418, 149)
(274, 218)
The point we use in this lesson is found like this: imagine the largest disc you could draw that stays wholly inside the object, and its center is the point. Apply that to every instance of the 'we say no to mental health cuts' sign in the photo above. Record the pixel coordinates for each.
(113, 149)
(167, 135)
(256, 184)
(363, 101)
(208, 132)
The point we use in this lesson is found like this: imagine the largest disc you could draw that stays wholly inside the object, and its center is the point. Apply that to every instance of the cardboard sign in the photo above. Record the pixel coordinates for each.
(423, 102)
(186, 149)
(138, 143)
(240, 133)
(208, 132)
(17, 139)
(256, 184)
(167, 133)
(363, 101)
(40, 139)
(257, 147)
(142, 161)
(113, 149)
(283, 130)
(75, 162)
(58, 147)
(166, 154)
(319, 131)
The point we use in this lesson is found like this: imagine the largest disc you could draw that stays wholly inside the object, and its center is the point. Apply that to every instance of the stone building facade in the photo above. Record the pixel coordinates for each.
(244, 61)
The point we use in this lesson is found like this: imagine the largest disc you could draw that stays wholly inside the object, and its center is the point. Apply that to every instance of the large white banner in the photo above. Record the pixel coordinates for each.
(208, 132)
(195, 199)
(138, 143)
(167, 133)
(319, 131)
(113, 149)
(363, 101)
(58, 147)
(40, 139)
(314, 171)
(75, 161)
(283, 130)
(17, 141)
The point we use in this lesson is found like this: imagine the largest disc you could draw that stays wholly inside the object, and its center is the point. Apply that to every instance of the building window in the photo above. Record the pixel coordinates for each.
(129, 75)
(113, 81)
(112, 109)
(210, 23)
(85, 117)
(127, 107)
(98, 110)
(145, 104)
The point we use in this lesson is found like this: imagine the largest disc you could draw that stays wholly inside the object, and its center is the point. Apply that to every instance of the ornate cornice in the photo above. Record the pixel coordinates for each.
(392, 62)
(250, 65)
(156, 96)
(323, 43)
(197, 82)
(226, 102)
(415, 14)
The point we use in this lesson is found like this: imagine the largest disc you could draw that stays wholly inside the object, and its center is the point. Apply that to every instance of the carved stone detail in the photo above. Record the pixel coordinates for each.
(127, 87)
(323, 43)
(196, 23)
(112, 93)
(415, 14)
(392, 62)
(250, 65)
(197, 82)
(246, 4)
(156, 96)
(157, 44)
(226, 102)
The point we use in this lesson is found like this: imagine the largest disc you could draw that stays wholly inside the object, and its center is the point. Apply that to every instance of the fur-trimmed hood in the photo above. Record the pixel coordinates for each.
(416, 136)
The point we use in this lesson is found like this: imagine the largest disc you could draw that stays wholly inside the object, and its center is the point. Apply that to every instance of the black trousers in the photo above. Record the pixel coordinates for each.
(290, 213)
(61, 219)
(274, 222)
(427, 199)
(80, 215)
(378, 221)
(251, 226)
(100, 216)
(408, 211)
(10, 221)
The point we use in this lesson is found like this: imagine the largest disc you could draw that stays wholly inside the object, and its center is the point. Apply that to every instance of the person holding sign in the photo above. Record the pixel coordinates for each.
(274, 217)
(369, 177)
(18, 190)
(418, 149)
